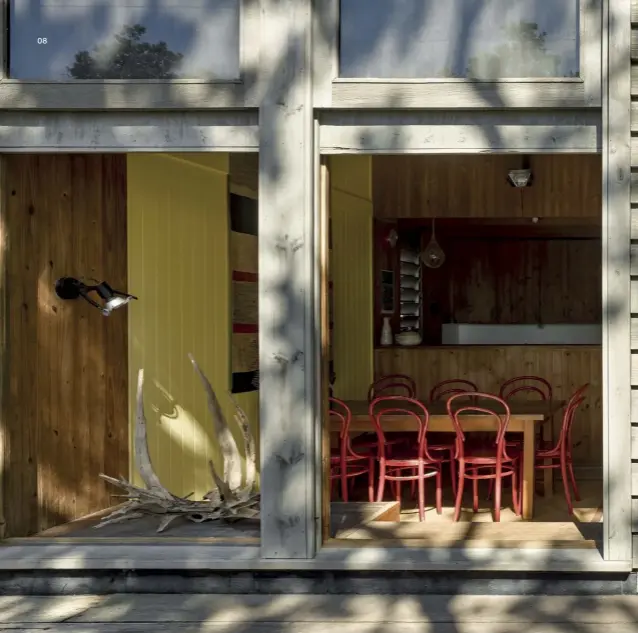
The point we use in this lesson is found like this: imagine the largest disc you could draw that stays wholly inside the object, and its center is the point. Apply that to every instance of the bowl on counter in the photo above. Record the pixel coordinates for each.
(408, 338)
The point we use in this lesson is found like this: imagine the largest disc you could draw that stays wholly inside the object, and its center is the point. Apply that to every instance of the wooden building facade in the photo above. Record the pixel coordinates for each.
(301, 98)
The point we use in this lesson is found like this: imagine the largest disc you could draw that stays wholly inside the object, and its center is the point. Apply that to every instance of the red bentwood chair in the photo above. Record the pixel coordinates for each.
(389, 386)
(345, 463)
(560, 455)
(481, 462)
(535, 386)
(451, 387)
(447, 441)
(415, 463)
(527, 385)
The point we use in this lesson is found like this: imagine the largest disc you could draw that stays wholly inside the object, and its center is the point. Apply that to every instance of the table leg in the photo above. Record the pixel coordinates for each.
(528, 469)
(548, 473)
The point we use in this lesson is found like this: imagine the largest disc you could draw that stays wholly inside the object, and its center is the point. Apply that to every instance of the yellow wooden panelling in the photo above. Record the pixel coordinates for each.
(351, 274)
(352, 174)
(178, 247)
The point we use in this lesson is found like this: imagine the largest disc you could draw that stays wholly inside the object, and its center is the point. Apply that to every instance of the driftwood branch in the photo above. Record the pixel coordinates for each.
(229, 500)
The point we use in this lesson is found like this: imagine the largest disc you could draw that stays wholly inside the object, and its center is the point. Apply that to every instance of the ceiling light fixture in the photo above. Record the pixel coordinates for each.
(521, 178)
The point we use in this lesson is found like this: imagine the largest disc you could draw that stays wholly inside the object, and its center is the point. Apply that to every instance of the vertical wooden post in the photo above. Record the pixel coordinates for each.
(287, 284)
(324, 298)
(4, 376)
(616, 280)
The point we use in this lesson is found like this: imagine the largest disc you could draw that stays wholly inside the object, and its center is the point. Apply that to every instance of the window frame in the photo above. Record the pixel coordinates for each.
(166, 94)
(333, 91)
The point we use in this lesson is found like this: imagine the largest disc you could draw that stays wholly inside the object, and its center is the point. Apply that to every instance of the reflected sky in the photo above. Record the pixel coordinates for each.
(459, 38)
(46, 35)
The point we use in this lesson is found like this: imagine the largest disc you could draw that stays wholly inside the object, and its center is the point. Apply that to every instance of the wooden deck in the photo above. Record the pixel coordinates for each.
(344, 517)
(386, 524)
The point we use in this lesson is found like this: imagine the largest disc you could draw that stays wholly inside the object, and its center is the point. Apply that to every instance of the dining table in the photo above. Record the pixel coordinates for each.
(525, 417)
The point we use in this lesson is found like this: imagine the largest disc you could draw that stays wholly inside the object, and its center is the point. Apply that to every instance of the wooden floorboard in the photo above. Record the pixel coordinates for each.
(377, 525)
(514, 535)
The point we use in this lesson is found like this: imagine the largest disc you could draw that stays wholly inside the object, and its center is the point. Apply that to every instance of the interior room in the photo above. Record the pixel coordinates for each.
(451, 276)
(179, 233)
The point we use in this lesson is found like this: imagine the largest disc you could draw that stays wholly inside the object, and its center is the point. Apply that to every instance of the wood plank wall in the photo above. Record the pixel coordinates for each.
(634, 272)
(65, 408)
(509, 281)
(567, 368)
(564, 186)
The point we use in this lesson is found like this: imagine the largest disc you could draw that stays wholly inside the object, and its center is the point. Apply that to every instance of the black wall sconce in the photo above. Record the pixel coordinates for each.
(69, 288)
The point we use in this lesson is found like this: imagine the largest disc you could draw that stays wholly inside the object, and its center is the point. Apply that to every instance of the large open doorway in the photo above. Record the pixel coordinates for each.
(441, 269)
(179, 232)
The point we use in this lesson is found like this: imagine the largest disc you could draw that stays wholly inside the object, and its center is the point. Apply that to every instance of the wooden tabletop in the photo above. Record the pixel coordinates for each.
(521, 412)
(531, 409)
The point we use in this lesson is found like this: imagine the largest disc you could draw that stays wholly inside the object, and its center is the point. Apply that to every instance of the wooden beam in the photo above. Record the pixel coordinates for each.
(395, 132)
(4, 365)
(456, 95)
(124, 95)
(287, 278)
(617, 366)
(128, 131)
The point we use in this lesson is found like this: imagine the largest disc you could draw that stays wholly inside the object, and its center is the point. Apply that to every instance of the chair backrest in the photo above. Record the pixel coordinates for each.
(528, 385)
(389, 385)
(451, 387)
(565, 437)
(339, 410)
(581, 390)
(486, 404)
(400, 405)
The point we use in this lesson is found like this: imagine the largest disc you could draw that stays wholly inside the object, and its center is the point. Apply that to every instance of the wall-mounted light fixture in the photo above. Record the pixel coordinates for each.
(521, 177)
(69, 288)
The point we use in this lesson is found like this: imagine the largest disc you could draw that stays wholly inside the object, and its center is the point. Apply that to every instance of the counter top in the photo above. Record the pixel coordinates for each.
(477, 347)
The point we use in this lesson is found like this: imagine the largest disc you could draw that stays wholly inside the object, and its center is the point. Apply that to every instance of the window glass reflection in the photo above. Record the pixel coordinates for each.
(124, 39)
(481, 39)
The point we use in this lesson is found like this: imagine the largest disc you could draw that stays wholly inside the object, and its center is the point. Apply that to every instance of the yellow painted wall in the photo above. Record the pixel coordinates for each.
(352, 274)
(178, 266)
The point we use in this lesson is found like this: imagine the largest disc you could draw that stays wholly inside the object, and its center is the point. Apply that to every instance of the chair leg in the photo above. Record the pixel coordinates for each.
(421, 486)
(397, 491)
(459, 491)
(475, 500)
(497, 495)
(570, 467)
(413, 483)
(344, 485)
(453, 471)
(371, 480)
(568, 497)
(381, 487)
(516, 492)
(439, 492)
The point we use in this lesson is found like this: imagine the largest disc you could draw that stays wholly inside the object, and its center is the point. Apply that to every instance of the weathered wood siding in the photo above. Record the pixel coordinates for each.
(634, 272)
(65, 410)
